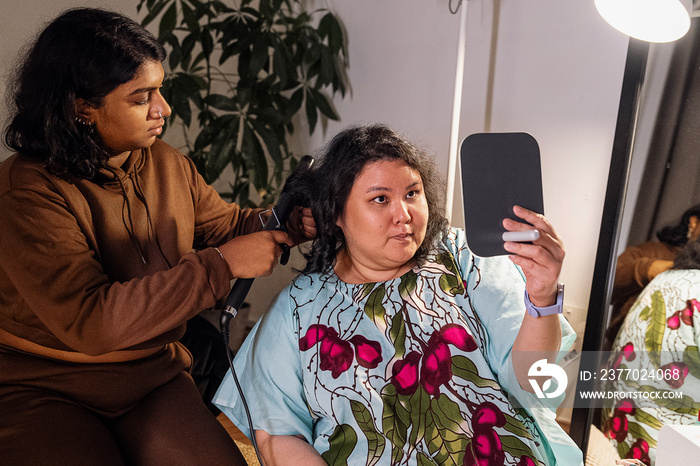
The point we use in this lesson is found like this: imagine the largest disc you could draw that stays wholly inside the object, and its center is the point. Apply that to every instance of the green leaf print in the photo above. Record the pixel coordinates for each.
(692, 358)
(447, 441)
(395, 421)
(419, 403)
(450, 284)
(648, 419)
(513, 425)
(374, 307)
(657, 326)
(375, 441)
(667, 399)
(464, 368)
(644, 315)
(408, 285)
(515, 447)
(397, 334)
(342, 442)
(637, 431)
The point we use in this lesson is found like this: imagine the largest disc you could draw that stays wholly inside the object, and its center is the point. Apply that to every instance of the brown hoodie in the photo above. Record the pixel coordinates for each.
(104, 266)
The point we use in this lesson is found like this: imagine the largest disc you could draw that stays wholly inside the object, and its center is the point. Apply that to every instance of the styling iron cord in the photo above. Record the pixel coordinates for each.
(277, 221)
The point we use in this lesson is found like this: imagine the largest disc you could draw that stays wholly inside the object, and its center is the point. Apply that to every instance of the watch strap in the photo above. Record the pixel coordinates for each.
(556, 308)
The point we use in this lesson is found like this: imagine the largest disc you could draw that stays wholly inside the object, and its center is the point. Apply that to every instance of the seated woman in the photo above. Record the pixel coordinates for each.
(394, 345)
(639, 264)
(656, 355)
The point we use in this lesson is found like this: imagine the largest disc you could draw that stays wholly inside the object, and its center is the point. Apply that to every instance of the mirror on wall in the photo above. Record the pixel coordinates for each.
(654, 180)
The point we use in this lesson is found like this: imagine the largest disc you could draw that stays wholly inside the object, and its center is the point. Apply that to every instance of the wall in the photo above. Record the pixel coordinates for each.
(552, 68)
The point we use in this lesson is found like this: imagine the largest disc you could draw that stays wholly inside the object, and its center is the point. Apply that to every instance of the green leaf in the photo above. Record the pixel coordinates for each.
(639, 432)
(324, 105)
(645, 314)
(515, 446)
(375, 441)
(153, 11)
(374, 307)
(311, 115)
(657, 326)
(692, 358)
(648, 419)
(407, 286)
(397, 334)
(341, 444)
(514, 426)
(448, 441)
(221, 102)
(419, 403)
(464, 368)
(168, 21)
(395, 421)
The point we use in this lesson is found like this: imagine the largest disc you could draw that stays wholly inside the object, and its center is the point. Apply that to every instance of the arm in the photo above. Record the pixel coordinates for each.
(287, 450)
(541, 263)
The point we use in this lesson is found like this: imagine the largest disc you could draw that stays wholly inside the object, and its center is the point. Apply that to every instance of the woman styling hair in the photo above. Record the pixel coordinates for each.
(395, 345)
(97, 270)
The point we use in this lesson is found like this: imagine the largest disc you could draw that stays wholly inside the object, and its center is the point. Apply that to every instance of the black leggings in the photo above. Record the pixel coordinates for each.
(98, 418)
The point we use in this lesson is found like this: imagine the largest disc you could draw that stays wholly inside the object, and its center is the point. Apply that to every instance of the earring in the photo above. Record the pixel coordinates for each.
(88, 125)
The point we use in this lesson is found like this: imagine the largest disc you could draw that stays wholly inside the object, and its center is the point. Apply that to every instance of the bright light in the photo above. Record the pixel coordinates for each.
(649, 20)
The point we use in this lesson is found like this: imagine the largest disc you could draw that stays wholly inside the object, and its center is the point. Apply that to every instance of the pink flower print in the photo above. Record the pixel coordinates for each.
(627, 352)
(437, 365)
(639, 450)
(694, 305)
(677, 372)
(314, 334)
(674, 321)
(368, 353)
(488, 415)
(618, 425)
(486, 448)
(456, 335)
(405, 374)
(687, 314)
(336, 355)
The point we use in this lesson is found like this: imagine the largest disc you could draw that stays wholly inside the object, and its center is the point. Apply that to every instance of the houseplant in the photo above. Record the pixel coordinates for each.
(238, 75)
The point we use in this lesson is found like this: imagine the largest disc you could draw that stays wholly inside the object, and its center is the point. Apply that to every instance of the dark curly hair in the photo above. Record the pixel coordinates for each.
(85, 53)
(677, 235)
(334, 176)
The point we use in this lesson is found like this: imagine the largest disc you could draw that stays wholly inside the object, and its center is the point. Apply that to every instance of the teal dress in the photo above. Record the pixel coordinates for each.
(411, 371)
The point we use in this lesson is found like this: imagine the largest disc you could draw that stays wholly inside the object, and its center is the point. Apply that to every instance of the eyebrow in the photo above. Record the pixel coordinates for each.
(382, 188)
(143, 90)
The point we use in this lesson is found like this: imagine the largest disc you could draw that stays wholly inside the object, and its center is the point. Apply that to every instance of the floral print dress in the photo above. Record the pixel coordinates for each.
(656, 355)
(412, 371)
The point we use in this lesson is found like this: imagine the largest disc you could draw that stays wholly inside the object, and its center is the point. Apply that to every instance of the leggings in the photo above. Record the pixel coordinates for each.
(145, 412)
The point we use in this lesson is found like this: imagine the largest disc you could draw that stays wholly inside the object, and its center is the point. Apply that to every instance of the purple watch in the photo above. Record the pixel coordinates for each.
(556, 308)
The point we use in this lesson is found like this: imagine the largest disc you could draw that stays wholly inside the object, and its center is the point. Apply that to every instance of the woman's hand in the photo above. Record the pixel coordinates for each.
(540, 261)
(301, 225)
(255, 254)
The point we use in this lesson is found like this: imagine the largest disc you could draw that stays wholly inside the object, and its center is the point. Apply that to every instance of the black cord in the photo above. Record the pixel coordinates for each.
(456, 9)
(224, 323)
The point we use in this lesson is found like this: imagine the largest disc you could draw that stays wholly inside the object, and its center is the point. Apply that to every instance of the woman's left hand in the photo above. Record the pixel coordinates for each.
(540, 261)
(301, 226)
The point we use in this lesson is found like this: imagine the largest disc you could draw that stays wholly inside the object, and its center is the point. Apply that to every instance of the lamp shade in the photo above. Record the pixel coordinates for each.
(649, 20)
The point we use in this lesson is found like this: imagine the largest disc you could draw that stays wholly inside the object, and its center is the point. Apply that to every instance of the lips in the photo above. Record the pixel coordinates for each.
(156, 130)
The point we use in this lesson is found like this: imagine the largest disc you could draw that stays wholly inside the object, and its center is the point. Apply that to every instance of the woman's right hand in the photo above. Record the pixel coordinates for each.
(255, 254)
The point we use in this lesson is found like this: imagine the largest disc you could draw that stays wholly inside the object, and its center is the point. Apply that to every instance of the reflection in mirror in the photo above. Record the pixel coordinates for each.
(640, 311)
